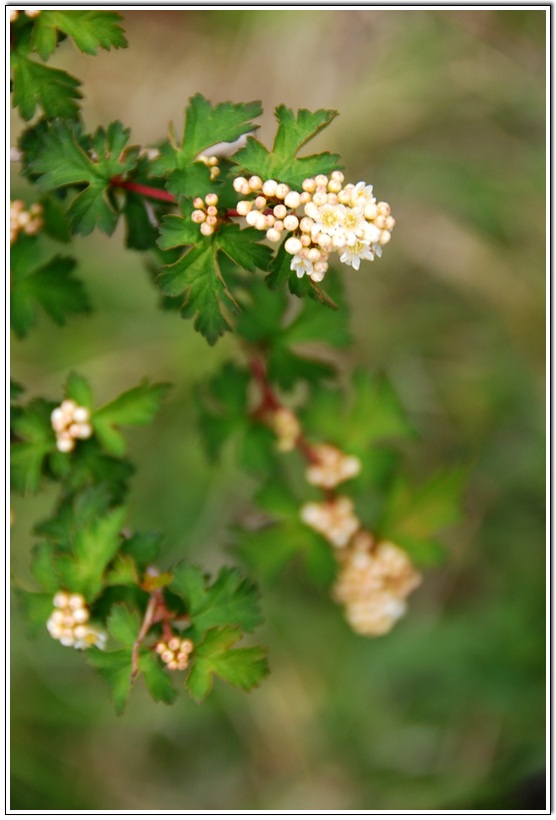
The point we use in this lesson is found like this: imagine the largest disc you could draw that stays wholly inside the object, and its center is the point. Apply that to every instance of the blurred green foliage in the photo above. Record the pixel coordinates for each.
(444, 112)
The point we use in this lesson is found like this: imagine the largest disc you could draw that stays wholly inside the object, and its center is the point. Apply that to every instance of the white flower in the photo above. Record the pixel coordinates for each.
(301, 265)
(353, 254)
(331, 466)
(328, 218)
(353, 224)
(362, 194)
(373, 584)
(371, 233)
(91, 637)
(334, 519)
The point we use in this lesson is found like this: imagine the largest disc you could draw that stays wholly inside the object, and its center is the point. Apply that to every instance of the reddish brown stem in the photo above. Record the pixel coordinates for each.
(270, 402)
(156, 612)
(143, 190)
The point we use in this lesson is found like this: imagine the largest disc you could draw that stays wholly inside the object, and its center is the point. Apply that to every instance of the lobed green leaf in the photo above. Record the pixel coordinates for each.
(205, 125)
(93, 549)
(242, 667)
(89, 30)
(123, 625)
(293, 132)
(67, 159)
(115, 668)
(51, 287)
(137, 406)
(157, 680)
(230, 599)
(39, 86)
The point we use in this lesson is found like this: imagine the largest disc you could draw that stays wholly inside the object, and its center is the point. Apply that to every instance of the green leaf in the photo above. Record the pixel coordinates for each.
(16, 390)
(282, 163)
(205, 125)
(280, 270)
(177, 230)
(267, 320)
(52, 287)
(37, 607)
(287, 368)
(261, 319)
(143, 547)
(230, 599)
(34, 440)
(269, 549)
(376, 412)
(43, 570)
(89, 466)
(93, 549)
(197, 276)
(39, 86)
(157, 680)
(75, 513)
(294, 131)
(284, 537)
(416, 515)
(79, 389)
(122, 571)
(65, 160)
(115, 668)
(242, 667)
(223, 407)
(89, 30)
(315, 322)
(258, 449)
(137, 406)
(191, 181)
(123, 625)
(242, 246)
(373, 413)
(141, 234)
(55, 222)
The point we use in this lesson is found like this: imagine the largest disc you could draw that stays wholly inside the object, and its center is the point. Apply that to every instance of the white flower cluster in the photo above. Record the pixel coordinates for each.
(331, 466)
(69, 622)
(70, 422)
(30, 222)
(206, 213)
(373, 585)
(287, 429)
(334, 518)
(335, 218)
(211, 163)
(175, 653)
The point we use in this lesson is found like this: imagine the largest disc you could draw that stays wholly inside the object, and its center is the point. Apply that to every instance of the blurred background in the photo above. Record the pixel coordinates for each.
(443, 111)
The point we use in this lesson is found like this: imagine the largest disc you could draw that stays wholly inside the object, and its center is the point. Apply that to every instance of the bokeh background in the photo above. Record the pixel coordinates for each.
(444, 112)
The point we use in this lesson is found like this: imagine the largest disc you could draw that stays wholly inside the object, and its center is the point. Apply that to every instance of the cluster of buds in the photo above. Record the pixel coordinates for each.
(175, 653)
(70, 422)
(211, 163)
(206, 213)
(333, 518)
(373, 584)
(330, 466)
(69, 622)
(14, 13)
(30, 222)
(287, 429)
(325, 217)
